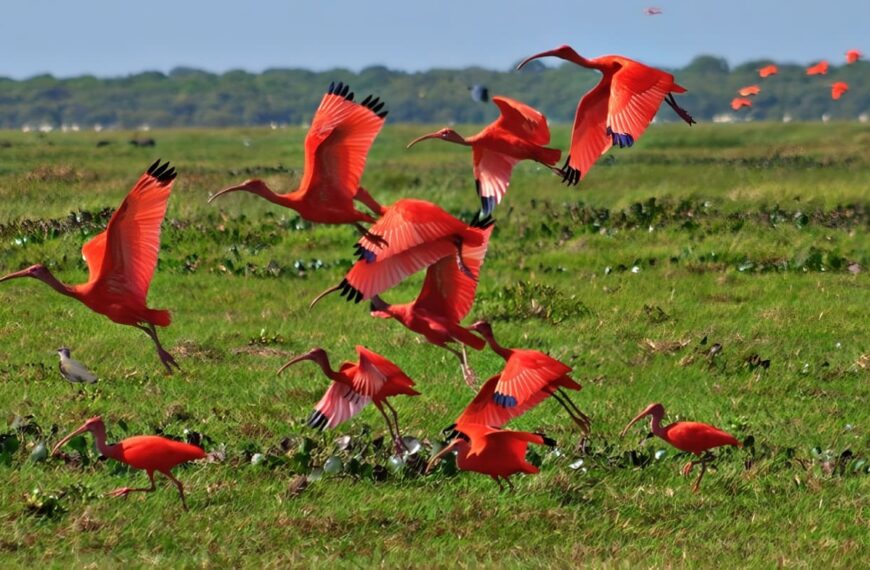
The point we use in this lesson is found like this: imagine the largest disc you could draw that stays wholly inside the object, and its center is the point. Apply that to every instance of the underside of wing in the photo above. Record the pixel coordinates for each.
(338, 404)
(589, 139)
(636, 93)
(522, 120)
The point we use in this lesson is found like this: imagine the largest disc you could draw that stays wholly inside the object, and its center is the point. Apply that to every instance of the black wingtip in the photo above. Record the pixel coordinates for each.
(548, 441)
(482, 222)
(162, 172)
(374, 104)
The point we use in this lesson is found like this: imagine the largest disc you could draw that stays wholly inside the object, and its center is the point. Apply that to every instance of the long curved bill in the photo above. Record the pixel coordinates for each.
(226, 190)
(22, 273)
(323, 294)
(639, 417)
(64, 441)
(441, 454)
(424, 137)
(290, 363)
(547, 53)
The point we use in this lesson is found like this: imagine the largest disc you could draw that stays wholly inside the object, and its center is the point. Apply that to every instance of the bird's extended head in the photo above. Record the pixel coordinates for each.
(37, 271)
(63, 351)
(654, 410)
(482, 327)
(314, 355)
(93, 425)
(458, 441)
(445, 134)
(254, 185)
(565, 52)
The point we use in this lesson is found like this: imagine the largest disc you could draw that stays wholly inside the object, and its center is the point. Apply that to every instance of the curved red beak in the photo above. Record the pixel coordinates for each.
(17, 274)
(307, 356)
(437, 457)
(548, 53)
(61, 443)
(646, 411)
(434, 135)
(227, 190)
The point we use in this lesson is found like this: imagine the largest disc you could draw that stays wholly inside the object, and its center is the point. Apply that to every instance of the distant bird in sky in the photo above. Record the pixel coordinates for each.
(149, 452)
(445, 299)
(749, 90)
(490, 451)
(692, 437)
(336, 147)
(838, 89)
(617, 110)
(768, 70)
(529, 377)
(739, 102)
(820, 68)
(73, 370)
(372, 378)
(519, 133)
(479, 93)
(652, 11)
(853, 55)
(121, 260)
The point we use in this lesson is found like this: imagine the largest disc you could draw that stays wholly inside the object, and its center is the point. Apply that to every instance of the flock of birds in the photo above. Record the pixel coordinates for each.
(400, 239)
(838, 88)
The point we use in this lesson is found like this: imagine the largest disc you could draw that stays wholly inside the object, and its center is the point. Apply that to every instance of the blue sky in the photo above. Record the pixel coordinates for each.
(117, 37)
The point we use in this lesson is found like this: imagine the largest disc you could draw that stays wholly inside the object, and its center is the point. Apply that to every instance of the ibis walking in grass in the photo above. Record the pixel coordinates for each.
(372, 378)
(121, 260)
(72, 370)
(617, 110)
(490, 451)
(693, 437)
(149, 452)
(336, 148)
(519, 133)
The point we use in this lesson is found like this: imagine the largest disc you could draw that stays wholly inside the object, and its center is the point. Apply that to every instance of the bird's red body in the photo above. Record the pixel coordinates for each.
(336, 149)
(372, 378)
(820, 68)
(739, 102)
(749, 90)
(616, 111)
(768, 70)
(519, 133)
(853, 55)
(494, 452)
(838, 89)
(147, 452)
(693, 437)
(528, 378)
(122, 259)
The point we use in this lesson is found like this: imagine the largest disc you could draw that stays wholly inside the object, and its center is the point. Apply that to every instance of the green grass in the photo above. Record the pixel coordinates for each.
(743, 235)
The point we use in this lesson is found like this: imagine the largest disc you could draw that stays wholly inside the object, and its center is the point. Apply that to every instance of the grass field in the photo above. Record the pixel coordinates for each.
(752, 236)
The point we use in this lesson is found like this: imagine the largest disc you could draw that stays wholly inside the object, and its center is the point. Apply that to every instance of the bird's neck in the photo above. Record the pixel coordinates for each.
(290, 200)
(495, 346)
(49, 279)
(110, 451)
(323, 361)
(578, 59)
(655, 424)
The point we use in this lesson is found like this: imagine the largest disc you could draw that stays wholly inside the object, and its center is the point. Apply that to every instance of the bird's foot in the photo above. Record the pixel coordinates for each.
(687, 468)
(682, 113)
(119, 492)
(470, 377)
(168, 360)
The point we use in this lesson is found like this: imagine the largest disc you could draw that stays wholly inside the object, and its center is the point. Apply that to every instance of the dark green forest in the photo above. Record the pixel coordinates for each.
(190, 97)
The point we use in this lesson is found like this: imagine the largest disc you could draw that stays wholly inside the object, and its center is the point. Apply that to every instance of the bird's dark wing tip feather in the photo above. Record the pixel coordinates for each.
(340, 89)
(374, 104)
(482, 221)
(548, 441)
(317, 420)
(350, 292)
(162, 172)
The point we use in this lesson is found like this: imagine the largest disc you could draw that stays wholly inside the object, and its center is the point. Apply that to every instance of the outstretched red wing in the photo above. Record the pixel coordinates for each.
(589, 139)
(522, 120)
(526, 373)
(636, 93)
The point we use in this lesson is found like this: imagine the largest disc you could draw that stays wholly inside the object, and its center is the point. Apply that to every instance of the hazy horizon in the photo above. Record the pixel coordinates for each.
(109, 39)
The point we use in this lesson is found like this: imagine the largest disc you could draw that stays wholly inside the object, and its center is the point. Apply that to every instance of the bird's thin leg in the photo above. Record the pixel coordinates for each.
(500, 486)
(374, 238)
(396, 423)
(179, 485)
(510, 485)
(362, 195)
(124, 491)
(467, 373)
(578, 416)
(683, 114)
(687, 468)
(165, 357)
(396, 439)
(697, 486)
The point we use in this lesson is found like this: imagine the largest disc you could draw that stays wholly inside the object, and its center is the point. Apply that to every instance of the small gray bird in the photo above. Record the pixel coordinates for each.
(73, 370)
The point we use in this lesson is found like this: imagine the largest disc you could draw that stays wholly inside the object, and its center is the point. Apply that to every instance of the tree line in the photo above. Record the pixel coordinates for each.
(191, 97)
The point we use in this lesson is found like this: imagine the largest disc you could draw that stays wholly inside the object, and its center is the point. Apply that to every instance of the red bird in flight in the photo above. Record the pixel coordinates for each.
(652, 11)
(336, 147)
(768, 70)
(837, 91)
(121, 260)
(494, 452)
(520, 133)
(617, 110)
(853, 55)
(149, 452)
(693, 437)
(749, 90)
(820, 68)
(372, 378)
(739, 102)
(528, 378)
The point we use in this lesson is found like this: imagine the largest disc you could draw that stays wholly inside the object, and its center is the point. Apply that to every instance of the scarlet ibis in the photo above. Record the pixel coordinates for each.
(149, 452)
(693, 437)
(652, 11)
(121, 260)
(336, 147)
(519, 133)
(837, 91)
(820, 68)
(739, 102)
(490, 451)
(617, 110)
(372, 378)
(749, 90)
(529, 377)
(72, 370)
(768, 70)
(853, 55)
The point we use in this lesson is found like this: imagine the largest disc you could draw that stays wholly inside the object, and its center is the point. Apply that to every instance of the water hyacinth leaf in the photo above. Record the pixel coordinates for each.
(343, 442)
(412, 444)
(39, 453)
(577, 464)
(396, 463)
(315, 475)
(661, 454)
(332, 465)
(257, 459)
